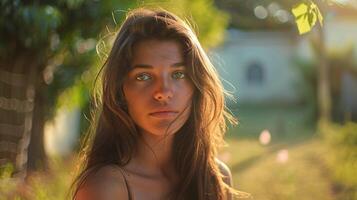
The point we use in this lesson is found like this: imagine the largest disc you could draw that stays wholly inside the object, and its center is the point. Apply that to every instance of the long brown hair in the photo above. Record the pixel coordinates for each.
(114, 136)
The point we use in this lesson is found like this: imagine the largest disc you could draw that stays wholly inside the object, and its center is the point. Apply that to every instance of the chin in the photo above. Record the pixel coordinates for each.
(161, 132)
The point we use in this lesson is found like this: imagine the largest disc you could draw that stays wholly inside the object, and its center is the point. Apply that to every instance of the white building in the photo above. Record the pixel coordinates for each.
(259, 65)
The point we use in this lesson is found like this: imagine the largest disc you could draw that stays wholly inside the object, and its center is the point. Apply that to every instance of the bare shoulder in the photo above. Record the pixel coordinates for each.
(108, 183)
(225, 171)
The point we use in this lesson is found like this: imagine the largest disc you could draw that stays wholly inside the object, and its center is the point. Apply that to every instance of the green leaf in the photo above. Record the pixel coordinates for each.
(300, 9)
(311, 14)
(302, 22)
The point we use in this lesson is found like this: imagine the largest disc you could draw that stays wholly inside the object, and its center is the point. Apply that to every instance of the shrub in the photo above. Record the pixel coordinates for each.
(342, 158)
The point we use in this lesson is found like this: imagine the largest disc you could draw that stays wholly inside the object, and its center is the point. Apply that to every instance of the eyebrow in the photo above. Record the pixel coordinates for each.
(146, 66)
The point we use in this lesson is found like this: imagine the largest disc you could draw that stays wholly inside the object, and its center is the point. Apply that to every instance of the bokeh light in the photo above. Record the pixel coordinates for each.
(282, 156)
(265, 137)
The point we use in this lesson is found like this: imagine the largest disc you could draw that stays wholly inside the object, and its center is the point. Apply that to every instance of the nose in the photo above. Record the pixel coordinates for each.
(163, 92)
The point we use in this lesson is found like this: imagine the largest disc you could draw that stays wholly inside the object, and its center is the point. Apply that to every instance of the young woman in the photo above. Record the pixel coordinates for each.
(161, 118)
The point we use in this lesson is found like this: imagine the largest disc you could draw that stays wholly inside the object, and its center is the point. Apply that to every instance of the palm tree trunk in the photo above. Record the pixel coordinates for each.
(18, 118)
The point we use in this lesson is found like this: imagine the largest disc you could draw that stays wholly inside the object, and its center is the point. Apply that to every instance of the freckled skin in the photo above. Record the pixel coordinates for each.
(161, 86)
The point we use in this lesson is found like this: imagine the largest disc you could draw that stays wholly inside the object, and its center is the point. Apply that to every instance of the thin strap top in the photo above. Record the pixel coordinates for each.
(126, 184)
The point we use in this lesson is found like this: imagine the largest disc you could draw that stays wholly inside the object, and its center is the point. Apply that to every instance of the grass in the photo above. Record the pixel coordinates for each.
(283, 122)
(52, 184)
(258, 171)
(300, 173)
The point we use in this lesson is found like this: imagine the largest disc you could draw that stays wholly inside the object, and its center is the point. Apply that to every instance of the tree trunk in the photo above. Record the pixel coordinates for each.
(36, 151)
(18, 118)
(323, 82)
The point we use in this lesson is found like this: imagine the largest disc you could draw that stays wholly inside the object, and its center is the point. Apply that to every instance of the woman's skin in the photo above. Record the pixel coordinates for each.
(158, 94)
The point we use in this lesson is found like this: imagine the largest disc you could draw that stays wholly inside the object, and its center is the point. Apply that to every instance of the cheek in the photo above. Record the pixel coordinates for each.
(184, 98)
(134, 97)
(186, 91)
(134, 93)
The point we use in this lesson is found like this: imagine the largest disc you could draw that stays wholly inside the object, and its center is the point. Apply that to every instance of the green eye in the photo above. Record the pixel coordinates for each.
(178, 75)
(143, 77)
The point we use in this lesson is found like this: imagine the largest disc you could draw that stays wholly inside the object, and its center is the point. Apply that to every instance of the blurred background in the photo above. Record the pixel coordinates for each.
(295, 90)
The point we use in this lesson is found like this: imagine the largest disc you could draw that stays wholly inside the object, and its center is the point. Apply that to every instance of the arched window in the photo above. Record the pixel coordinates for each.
(255, 73)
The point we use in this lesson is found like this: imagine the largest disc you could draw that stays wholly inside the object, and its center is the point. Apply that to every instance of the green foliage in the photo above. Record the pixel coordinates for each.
(342, 142)
(39, 21)
(53, 185)
(211, 22)
(60, 35)
(6, 184)
(208, 22)
(73, 4)
(243, 16)
(50, 185)
(6, 170)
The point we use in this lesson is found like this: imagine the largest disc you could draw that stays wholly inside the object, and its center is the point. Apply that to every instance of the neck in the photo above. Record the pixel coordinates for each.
(155, 154)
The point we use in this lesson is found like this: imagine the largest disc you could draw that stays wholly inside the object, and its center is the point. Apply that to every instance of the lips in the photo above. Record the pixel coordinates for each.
(164, 114)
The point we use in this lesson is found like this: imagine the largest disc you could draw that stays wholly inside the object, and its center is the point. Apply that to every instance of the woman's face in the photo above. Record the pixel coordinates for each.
(157, 90)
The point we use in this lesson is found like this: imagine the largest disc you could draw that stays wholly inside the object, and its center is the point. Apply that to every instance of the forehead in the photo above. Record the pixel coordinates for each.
(157, 53)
